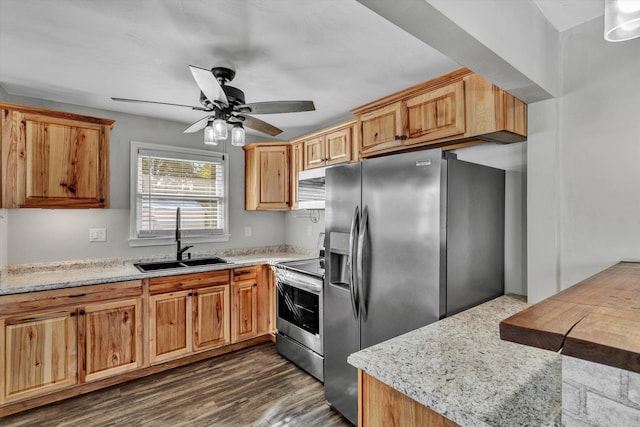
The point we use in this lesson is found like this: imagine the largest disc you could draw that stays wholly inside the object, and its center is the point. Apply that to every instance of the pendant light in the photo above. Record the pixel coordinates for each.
(237, 135)
(621, 20)
(209, 134)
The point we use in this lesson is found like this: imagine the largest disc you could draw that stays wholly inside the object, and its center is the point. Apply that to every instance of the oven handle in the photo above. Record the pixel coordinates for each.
(299, 281)
(353, 288)
(362, 261)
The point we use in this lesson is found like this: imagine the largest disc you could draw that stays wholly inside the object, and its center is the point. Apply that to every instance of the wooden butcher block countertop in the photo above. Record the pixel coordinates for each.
(597, 319)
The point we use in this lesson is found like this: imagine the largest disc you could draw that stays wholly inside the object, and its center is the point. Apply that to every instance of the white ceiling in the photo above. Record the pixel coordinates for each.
(337, 53)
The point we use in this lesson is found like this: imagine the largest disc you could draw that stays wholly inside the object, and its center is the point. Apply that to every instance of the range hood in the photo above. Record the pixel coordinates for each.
(311, 192)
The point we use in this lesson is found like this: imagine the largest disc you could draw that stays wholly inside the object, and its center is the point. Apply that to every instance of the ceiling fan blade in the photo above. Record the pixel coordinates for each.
(209, 85)
(260, 126)
(273, 107)
(156, 102)
(200, 124)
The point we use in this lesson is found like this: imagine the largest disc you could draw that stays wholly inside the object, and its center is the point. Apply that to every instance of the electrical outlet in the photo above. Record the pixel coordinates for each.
(247, 231)
(97, 235)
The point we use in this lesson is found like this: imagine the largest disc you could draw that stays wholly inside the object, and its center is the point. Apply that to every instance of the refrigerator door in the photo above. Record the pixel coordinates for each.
(341, 324)
(401, 287)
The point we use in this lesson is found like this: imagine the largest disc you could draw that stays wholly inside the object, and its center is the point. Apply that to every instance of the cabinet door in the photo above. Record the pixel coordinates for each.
(338, 145)
(170, 325)
(109, 339)
(65, 163)
(314, 152)
(297, 165)
(244, 323)
(39, 354)
(436, 114)
(211, 314)
(274, 177)
(382, 129)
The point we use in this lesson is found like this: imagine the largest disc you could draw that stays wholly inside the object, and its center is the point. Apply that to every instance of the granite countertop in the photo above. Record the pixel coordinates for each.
(460, 368)
(24, 278)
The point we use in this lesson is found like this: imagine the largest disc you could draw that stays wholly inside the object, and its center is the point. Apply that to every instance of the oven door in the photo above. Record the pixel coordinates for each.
(299, 308)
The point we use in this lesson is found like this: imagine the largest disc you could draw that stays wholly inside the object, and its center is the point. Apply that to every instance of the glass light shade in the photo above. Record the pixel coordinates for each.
(237, 136)
(621, 20)
(208, 135)
(219, 129)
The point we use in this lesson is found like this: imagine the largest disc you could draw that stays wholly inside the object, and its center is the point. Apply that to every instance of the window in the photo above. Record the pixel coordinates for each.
(164, 178)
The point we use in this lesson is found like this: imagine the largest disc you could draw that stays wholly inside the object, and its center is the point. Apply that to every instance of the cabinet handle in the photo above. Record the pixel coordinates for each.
(255, 285)
(101, 200)
(195, 294)
(81, 313)
(190, 294)
(401, 137)
(77, 296)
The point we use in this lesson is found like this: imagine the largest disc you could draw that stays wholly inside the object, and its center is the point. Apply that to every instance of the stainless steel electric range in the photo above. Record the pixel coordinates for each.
(299, 311)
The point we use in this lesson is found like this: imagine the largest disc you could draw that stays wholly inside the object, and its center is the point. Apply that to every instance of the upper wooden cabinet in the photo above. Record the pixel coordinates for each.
(455, 108)
(266, 174)
(332, 145)
(53, 159)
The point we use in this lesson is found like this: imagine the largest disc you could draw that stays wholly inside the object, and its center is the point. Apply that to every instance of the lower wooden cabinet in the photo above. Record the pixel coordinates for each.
(109, 339)
(188, 313)
(380, 405)
(39, 353)
(244, 312)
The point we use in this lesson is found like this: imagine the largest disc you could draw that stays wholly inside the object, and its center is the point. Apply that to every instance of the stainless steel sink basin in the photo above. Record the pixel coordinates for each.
(166, 265)
(204, 261)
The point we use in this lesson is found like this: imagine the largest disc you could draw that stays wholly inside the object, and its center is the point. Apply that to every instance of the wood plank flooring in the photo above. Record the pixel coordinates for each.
(251, 387)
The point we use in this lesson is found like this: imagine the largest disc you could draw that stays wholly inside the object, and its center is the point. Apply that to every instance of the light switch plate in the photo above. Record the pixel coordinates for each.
(97, 234)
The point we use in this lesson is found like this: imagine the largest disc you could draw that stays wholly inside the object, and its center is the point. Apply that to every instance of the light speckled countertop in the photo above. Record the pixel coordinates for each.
(460, 368)
(23, 278)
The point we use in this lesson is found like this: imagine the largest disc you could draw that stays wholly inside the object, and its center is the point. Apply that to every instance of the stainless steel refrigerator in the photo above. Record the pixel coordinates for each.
(411, 238)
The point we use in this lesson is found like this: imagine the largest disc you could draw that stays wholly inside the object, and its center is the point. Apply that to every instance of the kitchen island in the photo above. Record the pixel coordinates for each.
(460, 369)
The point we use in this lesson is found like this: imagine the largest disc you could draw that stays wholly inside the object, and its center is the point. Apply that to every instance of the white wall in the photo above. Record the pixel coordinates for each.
(584, 164)
(43, 235)
(599, 142)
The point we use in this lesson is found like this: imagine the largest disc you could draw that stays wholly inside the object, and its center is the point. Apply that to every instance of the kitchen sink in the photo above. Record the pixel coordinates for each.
(204, 261)
(166, 265)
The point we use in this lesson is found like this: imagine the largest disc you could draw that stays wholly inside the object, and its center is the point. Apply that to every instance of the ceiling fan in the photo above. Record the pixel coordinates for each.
(226, 105)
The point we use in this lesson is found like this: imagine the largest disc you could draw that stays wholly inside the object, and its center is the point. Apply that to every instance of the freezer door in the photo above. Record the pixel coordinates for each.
(341, 324)
(401, 288)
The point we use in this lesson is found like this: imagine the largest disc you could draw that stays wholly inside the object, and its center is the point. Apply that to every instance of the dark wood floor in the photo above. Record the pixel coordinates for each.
(251, 387)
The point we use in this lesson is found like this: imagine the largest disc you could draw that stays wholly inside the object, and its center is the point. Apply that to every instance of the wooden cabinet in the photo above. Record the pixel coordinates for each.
(459, 107)
(187, 313)
(39, 353)
(380, 405)
(297, 164)
(53, 159)
(244, 312)
(52, 340)
(267, 176)
(110, 339)
(331, 146)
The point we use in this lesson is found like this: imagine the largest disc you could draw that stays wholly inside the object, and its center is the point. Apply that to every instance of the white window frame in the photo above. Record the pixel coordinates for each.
(134, 240)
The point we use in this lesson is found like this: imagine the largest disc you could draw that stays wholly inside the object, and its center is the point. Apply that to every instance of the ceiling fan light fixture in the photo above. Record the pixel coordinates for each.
(220, 130)
(209, 134)
(237, 135)
(621, 20)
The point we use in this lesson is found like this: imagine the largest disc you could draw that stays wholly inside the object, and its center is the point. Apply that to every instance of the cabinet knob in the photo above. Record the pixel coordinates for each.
(401, 137)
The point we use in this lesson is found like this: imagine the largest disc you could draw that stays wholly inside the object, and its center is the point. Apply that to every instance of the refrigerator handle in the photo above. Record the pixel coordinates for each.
(353, 288)
(362, 261)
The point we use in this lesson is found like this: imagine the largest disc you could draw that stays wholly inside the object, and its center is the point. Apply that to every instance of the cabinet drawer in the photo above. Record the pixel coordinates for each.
(30, 301)
(246, 273)
(159, 285)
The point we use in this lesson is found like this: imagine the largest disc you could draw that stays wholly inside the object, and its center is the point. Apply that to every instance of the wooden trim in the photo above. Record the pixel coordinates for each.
(78, 389)
(58, 114)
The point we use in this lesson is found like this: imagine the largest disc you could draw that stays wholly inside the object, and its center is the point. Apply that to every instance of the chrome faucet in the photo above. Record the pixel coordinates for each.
(179, 250)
